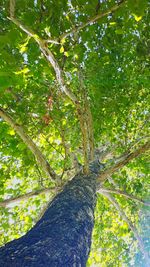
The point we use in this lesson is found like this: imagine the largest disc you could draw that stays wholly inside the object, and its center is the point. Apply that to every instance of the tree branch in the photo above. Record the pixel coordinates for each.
(90, 129)
(119, 192)
(52, 41)
(48, 55)
(131, 226)
(59, 76)
(12, 8)
(84, 131)
(125, 159)
(15, 200)
(88, 120)
(31, 145)
(92, 20)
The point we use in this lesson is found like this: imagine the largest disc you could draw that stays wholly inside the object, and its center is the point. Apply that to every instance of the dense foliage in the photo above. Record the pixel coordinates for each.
(106, 65)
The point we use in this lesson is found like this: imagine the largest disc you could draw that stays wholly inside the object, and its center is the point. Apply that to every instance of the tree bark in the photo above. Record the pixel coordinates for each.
(62, 237)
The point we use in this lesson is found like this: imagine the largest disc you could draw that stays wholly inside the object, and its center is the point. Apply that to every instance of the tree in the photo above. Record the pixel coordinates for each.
(74, 80)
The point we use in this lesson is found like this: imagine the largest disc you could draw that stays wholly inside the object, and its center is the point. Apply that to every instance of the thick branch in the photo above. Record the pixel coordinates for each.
(119, 192)
(90, 129)
(15, 200)
(92, 20)
(125, 159)
(88, 120)
(30, 144)
(84, 131)
(131, 226)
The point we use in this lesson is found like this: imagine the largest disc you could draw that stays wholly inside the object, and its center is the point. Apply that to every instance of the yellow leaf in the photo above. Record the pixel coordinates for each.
(74, 70)
(23, 49)
(21, 217)
(61, 49)
(137, 18)
(27, 219)
(11, 132)
(76, 56)
(68, 82)
(5, 106)
(23, 71)
(15, 236)
(66, 54)
(63, 41)
(96, 256)
(64, 122)
(36, 37)
(51, 139)
(112, 23)
(67, 17)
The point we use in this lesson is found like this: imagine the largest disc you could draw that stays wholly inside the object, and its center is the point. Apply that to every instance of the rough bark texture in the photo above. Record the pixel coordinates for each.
(62, 237)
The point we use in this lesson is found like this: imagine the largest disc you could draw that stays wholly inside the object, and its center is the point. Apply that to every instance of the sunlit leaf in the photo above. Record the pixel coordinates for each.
(137, 18)
(62, 49)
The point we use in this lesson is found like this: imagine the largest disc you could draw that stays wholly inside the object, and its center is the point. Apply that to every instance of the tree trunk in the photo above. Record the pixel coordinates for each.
(62, 237)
